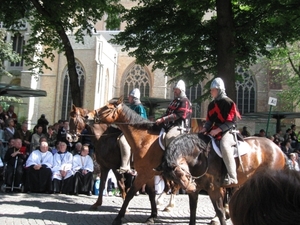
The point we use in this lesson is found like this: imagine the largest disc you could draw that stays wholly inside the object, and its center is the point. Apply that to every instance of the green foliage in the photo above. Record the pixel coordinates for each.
(286, 61)
(50, 20)
(6, 53)
(178, 37)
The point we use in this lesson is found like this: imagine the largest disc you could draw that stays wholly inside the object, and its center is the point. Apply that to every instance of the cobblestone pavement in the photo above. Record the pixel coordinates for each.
(45, 209)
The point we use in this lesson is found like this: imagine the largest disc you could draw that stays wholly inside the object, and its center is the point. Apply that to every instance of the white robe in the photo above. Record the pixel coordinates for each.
(83, 162)
(37, 158)
(63, 162)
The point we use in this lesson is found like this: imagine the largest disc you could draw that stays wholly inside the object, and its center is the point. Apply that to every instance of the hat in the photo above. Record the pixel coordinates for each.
(262, 130)
(135, 93)
(180, 85)
(217, 83)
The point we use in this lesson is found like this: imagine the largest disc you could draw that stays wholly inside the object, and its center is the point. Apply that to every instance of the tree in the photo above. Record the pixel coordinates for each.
(50, 21)
(179, 37)
(6, 53)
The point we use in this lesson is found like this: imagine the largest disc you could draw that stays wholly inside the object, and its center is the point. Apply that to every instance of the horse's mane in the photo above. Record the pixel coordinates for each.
(188, 146)
(134, 119)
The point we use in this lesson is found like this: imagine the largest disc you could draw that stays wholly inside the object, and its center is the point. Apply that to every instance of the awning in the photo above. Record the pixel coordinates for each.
(20, 92)
(275, 115)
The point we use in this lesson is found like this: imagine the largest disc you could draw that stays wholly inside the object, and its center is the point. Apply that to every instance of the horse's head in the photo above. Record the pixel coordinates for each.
(180, 174)
(110, 112)
(77, 123)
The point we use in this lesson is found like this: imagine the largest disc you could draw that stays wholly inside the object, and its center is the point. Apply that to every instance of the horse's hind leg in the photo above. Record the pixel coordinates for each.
(104, 173)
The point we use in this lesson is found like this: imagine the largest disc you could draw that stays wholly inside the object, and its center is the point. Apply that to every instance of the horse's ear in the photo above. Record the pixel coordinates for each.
(74, 107)
(120, 100)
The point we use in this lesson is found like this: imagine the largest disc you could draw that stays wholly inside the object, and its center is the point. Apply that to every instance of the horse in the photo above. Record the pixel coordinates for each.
(191, 162)
(79, 118)
(107, 151)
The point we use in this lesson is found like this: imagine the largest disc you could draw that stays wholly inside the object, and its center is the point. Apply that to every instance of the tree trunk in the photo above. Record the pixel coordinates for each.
(75, 89)
(225, 47)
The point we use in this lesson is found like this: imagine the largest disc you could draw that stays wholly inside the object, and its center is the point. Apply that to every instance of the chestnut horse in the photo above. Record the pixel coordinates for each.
(191, 162)
(107, 151)
(144, 146)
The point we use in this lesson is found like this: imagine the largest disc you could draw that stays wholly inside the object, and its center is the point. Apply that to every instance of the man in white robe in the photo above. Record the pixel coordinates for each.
(38, 167)
(83, 168)
(62, 170)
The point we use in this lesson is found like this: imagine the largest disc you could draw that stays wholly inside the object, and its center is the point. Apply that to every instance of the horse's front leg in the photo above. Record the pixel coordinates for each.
(193, 200)
(137, 185)
(151, 193)
(104, 173)
(216, 197)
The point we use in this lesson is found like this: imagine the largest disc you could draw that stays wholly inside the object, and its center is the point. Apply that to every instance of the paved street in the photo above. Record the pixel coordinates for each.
(31, 209)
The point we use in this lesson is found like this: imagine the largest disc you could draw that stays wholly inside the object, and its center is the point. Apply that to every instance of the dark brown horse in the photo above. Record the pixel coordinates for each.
(144, 146)
(191, 162)
(107, 151)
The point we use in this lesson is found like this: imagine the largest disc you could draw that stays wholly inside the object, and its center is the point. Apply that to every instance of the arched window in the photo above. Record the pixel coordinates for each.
(245, 92)
(67, 97)
(18, 43)
(193, 93)
(137, 77)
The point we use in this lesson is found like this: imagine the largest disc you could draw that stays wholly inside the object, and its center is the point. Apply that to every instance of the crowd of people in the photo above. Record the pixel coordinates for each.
(289, 142)
(43, 160)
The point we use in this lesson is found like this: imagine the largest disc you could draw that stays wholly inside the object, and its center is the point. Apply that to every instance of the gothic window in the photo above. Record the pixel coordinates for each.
(137, 77)
(193, 93)
(18, 43)
(67, 97)
(245, 92)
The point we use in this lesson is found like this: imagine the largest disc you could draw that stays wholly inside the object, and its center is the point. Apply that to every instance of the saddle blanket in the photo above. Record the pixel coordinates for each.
(243, 148)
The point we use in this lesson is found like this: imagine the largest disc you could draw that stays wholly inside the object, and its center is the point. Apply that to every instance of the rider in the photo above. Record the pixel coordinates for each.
(177, 118)
(221, 118)
(136, 105)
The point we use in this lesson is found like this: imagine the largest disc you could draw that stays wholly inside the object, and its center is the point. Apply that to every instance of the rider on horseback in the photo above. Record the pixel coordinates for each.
(220, 119)
(135, 105)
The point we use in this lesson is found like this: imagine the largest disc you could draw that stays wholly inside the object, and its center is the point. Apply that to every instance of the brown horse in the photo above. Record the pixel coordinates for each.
(107, 151)
(191, 162)
(144, 146)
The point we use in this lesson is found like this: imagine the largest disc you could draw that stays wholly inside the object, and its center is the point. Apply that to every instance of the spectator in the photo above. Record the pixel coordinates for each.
(293, 164)
(78, 148)
(262, 133)
(14, 155)
(279, 136)
(25, 135)
(286, 148)
(294, 137)
(3, 117)
(62, 173)
(269, 197)
(11, 113)
(55, 148)
(86, 140)
(43, 122)
(39, 173)
(51, 137)
(83, 168)
(245, 132)
(10, 130)
(35, 139)
(62, 134)
(287, 135)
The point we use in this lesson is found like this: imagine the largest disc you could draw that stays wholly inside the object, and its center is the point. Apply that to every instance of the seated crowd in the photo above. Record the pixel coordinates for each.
(44, 161)
(44, 172)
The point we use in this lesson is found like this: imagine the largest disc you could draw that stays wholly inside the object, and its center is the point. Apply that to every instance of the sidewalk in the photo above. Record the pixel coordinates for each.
(45, 209)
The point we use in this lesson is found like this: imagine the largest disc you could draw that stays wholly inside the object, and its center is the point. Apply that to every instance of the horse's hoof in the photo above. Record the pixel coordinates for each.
(167, 209)
(150, 220)
(93, 208)
(117, 222)
(215, 221)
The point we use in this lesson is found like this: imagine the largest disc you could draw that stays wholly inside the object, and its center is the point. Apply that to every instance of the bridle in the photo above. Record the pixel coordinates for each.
(191, 179)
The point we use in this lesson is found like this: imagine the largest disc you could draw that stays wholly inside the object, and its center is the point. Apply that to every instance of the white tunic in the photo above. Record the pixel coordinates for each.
(63, 162)
(83, 162)
(38, 158)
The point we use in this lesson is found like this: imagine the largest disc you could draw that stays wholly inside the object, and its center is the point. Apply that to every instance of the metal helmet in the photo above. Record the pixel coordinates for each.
(180, 85)
(218, 83)
(135, 93)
